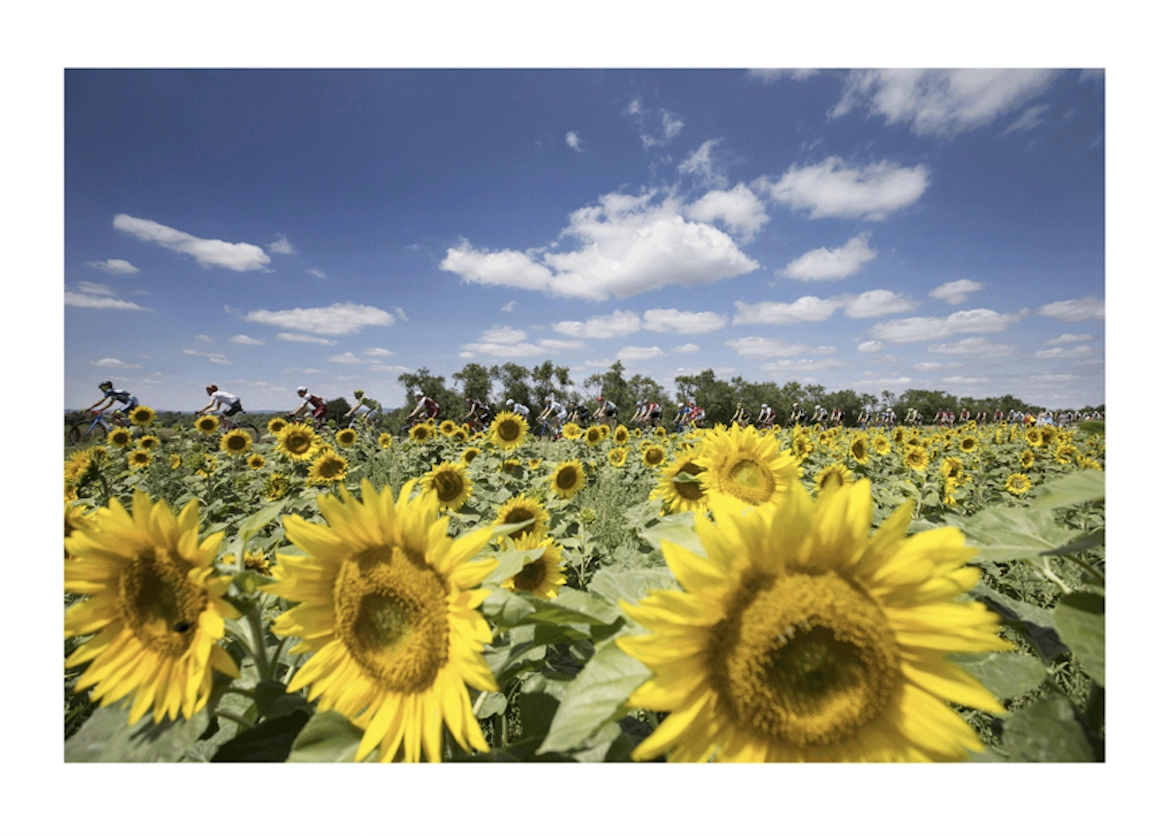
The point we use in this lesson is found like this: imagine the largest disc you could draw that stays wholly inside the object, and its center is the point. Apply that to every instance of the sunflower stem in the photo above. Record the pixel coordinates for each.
(263, 666)
(235, 718)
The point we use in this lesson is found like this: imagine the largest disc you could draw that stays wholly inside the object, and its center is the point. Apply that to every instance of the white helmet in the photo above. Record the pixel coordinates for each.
(765, 406)
(301, 390)
(819, 406)
(679, 406)
(509, 402)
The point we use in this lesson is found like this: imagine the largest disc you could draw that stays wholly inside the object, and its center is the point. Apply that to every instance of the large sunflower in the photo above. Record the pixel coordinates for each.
(654, 455)
(346, 437)
(275, 426)
(521, 509)
(422, 432)
(679, 487)
(880, 445)
(545, 575)
(156, 605)
(915, 457)
(142, 416)
(297, 442)
(594, 435)
(571, 431)
(256, 461)
(833, 476)
(568, 478)
(449, 483)
(207, 424)
(621, 435)
(508, 430)
(328, 467)
(235, 442)
(385, 602)
(385, 440)
(858, 449)
(448, 427)
(803, 637)
(119, 437)
(138, 459)
(149, 442)
(469, 454)
(741, 463)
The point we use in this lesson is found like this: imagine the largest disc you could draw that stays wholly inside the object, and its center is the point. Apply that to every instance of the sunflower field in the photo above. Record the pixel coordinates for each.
(621, 595)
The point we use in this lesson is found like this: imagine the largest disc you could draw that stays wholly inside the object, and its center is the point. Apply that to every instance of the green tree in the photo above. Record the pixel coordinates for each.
(336, 409)
(613, 386)
(549, 379)
(475, 380)
(514, 382)
(432, 386)
(717, 397)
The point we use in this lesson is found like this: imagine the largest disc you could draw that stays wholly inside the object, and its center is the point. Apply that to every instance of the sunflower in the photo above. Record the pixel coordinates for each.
(880, 445)
(138, 459)
(447, 427)
(149, 442)
(833, 476)
(915, 457)
(594, 435)
(449, 483)
(1033, 437)
(968, 444)
(81, 467)
(1027, 459)
(156, 605)
(661, 431)
(461, 434)
(521, 509)
(568, 478)
(617, 456)
(385, 440)
(424, 432)
(468, 455)
(257, 562)
(511, 467)
(801, 446)
(621, 435)
(328, 467)
(277, 487)
(654, 455)
(275, 426)
(951, 467)
(207, 424)
(142, 416)
(508, 430)
(858, 449)
(256, 461)
(119, 437)
(571, 431)
(1065, 453)
(235, 442)
(802, 636)
(680, 487)
(742, 463)
(1087, 463)
(385, 603)
(346, 437)
(297, 442)
(175, 461)
(76, 519)
(544, 575)
(1017, 484)
(534, 464)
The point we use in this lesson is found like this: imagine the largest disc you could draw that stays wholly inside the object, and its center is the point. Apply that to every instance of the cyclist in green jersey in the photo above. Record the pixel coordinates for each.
(370, 405)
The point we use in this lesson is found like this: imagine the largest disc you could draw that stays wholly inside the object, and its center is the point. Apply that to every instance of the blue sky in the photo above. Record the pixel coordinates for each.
(875, 230)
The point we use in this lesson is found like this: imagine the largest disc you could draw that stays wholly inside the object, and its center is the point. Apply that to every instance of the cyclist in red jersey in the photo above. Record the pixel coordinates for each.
(314, 403)
(424, 407)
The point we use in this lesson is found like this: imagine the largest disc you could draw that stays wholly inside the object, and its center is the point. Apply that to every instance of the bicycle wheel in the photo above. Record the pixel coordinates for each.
(72, 433)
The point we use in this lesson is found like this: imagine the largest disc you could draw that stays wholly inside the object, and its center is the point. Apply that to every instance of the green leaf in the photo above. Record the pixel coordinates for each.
(1047, 732)
(1081, 625)
(1082, 543)
(633, 585)
(506, 609)
(593, 698)
(677, 528)
(107, 737)
(252, 525)
(328, 737)
(268, 742)
(1006, 534)
(1072, 489)
(493, 704)
(510, 563)
(1006, 675)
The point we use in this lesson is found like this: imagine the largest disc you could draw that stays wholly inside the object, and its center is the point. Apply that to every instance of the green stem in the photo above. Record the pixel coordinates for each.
(235, 718)
(263, 666)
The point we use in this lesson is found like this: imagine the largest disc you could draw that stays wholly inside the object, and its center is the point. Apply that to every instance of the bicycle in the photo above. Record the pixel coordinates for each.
(74, 434)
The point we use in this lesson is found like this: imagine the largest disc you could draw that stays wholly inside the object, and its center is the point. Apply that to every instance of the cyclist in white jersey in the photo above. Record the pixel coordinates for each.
(226, 402)
(607, 412)
(555, 413)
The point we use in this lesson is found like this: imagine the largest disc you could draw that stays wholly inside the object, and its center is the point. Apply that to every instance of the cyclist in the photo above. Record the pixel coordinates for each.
(654, 414)
(581, 414)
(964, 416)
(696, 416)
(370, 405)
(766, 417)
(555, 413)
(836, 417)
(518, 409)
(797, 416)
(111, 396)
(606, 411)
(982, 416)
(637, 417)
(314, 403)
(227, 403)
(477, 415)
(681, 417)
(741, 415)
(820, 416)
(425, 408)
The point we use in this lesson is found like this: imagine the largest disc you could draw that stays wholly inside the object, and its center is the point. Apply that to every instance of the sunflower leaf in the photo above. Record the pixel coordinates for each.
(252, 525)
(677, 528)
(1004, 534)
(328, 737)
(597, 695)
(510, 563)
(1080, 622)
(1047, 732)
(633, 585)
(1006, 675)
(1072, 489)
(107, 737)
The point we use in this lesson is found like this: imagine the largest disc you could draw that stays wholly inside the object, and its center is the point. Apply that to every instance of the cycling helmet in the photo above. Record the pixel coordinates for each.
(679, 406)
(105, 384)
(301, 390)
(509, 402)
(358, 393)
(212, 388)
(418, 395)
(765, 406)
(601, 399)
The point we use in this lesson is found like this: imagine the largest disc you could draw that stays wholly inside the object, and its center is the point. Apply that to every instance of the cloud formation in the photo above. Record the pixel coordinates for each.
(832, 189)
(207, 252)
(113, 363)
(921, 328)
(737, 209)
(805, 309)
(94, 295)
(956, 292)
(114, 266)
(823, 264)
(671, 321)
(334, 320)
(573, 141)
(1074, 310)
(282, 246)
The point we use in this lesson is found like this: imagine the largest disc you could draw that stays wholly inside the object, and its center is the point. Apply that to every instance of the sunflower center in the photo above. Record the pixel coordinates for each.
(391, 611)
(750, 481)
(159, 602)
(567, 478)
(331, 468)
(297, 442)
(690, 490)
(654, 456)
(807, 660)
(448, 485)
(519, 515)
(531, 576)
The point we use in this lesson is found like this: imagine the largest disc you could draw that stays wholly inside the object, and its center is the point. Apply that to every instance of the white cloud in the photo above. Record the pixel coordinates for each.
(98, 298)
(884, 382)
(113, 363)
(669, 125)
(348, 357)
(203, 338)
(402, 314)
(504, 336)
(933, 365)
(671, 321)
(701, 164)
(1074, 310)
(956, 292)
(377, 352)
(874, 303)
(1068, 339)
(207, 252)
(761, 348)
(630, 353)
(801, 366)
(245, 340)
(822, 264)
(95, 289)
(313, 271)
(915, 329)
(831, 189)
(1030, 118)
(618, 324)
(941, 103)
(771, 76)
(963, 381)
(282, 246)
(738, 209)
(115, 266)
(573, 141)
(686, 348)
(974, 346)
(509, 306)
(870, 346)
(210, 356)
(805, 309)
(628, 245)
(304, 338)
(1065, 353)
(560, 345)
(511, 343)
(339, 318)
